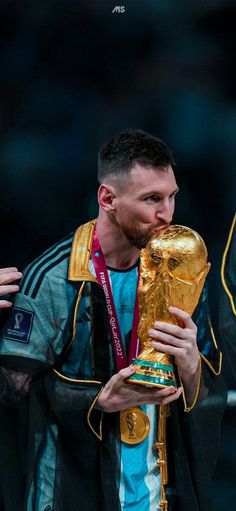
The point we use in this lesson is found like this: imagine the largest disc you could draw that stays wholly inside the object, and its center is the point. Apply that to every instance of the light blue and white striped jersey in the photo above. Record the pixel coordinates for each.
(140, 477)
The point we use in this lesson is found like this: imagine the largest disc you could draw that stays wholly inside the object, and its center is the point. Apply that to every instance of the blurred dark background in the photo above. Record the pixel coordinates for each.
(73, 73)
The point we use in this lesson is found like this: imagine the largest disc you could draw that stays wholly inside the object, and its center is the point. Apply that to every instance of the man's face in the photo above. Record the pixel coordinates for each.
(146, 203)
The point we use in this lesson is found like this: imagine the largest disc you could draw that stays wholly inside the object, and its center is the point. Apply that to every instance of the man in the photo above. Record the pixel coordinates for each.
(58, 343)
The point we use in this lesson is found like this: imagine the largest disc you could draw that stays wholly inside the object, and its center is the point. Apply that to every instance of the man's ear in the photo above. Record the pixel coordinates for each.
(107, 197)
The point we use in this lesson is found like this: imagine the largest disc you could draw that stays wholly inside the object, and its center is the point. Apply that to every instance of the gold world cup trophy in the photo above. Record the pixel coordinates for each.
(173, 268)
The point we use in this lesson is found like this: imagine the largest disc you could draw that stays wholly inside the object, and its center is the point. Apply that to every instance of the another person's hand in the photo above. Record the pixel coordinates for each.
(7, 276)
(118, 395)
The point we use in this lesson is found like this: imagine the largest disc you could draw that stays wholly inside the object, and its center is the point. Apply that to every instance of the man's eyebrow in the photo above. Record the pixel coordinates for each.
(159, 193)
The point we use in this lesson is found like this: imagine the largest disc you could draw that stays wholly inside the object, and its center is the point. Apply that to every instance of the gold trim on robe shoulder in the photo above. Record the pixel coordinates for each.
(80, 254)
(79, 271)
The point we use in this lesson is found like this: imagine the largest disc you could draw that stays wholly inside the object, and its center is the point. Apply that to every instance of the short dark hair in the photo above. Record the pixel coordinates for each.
(120, 154)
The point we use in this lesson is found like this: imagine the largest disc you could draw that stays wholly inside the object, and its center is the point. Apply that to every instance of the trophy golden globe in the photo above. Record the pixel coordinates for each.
(173, 268)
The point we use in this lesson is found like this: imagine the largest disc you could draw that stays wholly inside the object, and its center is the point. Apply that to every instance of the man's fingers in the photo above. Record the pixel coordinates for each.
(161, 396)
(166, 330)
(166, 391)
(8, 270)
(118, 394)
(8, 277)
(4, 304)
(172, 397)
(118, 380)
(126, 372)
(182, 316)
(165, 348)
(153, 395)
(4, 290)
(158, 336)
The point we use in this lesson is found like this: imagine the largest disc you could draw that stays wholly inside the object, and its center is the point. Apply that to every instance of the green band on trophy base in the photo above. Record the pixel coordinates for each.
(151, 364)
(153, 374)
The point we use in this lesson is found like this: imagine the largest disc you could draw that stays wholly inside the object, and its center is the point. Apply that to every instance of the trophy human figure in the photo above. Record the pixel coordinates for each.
(173, 268)
(131, 420)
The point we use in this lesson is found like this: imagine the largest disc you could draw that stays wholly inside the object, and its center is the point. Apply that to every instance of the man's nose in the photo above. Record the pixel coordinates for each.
(165, 213)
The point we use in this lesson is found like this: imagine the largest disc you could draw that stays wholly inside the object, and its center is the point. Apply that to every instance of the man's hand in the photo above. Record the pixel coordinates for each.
(8, 275)
(181, 342)
(118, 395)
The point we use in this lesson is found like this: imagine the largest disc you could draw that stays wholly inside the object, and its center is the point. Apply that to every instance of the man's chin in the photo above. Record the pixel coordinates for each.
(142, 240)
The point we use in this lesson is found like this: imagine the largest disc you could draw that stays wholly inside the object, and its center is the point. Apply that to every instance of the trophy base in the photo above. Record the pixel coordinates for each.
(152, 374)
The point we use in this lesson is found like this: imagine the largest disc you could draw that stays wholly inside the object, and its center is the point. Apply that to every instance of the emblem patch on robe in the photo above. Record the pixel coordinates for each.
(19, 325)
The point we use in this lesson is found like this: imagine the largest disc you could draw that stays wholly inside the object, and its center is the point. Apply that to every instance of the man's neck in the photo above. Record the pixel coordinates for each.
(118, 252)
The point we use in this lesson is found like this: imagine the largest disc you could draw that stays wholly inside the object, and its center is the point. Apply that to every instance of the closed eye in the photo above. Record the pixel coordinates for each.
(153, 198)
(157, 198)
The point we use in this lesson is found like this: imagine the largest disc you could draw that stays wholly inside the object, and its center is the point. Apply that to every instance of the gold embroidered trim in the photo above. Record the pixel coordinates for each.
(80, 253)
(231, 299)
(188, 408)
(216, 373)
(98, 435)
(74, 380)
(160, 445)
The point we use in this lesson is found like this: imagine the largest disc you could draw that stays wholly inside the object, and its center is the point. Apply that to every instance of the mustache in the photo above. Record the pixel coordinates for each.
(141, 239)
(161, 227)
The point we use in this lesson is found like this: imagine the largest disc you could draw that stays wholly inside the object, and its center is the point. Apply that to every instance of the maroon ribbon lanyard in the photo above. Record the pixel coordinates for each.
(103, 279)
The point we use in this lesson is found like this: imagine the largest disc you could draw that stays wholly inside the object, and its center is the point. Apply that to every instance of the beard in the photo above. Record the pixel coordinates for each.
(138, 238)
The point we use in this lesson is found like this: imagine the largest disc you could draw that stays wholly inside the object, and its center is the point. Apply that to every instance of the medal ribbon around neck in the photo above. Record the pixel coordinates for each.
(134, 423)
(122, 360)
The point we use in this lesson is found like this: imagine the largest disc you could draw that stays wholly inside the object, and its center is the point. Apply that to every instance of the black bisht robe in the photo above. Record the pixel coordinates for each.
(88, 451)
(227, 310)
